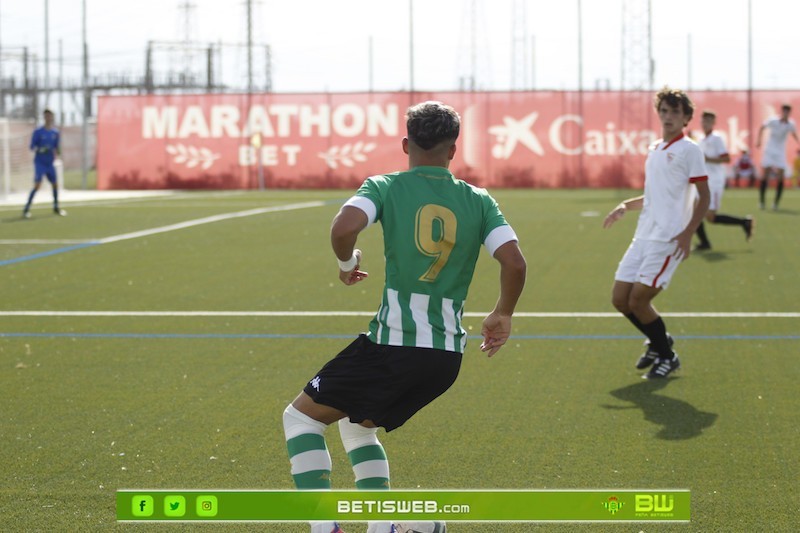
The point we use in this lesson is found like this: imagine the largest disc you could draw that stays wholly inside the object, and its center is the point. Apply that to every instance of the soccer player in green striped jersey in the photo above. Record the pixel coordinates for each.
(433, 228)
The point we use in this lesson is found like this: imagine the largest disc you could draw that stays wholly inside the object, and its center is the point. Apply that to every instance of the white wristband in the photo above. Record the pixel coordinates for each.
(350, 264)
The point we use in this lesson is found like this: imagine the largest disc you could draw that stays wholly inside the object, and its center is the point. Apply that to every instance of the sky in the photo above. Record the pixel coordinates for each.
(321, 45)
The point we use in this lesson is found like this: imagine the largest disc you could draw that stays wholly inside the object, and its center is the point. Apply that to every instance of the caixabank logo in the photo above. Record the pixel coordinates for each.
(654, 505)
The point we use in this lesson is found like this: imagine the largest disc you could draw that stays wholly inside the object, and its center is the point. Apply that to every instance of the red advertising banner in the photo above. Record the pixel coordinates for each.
(508, 139)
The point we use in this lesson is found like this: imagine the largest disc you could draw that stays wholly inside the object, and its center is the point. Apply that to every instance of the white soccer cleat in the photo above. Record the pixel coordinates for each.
(381, 527)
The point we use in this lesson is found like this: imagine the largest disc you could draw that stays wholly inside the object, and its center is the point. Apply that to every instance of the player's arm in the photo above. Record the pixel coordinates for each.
(497, 326)
(346, 226)
(723, 158)
(619, 211)
(760, 134)
(684, 238)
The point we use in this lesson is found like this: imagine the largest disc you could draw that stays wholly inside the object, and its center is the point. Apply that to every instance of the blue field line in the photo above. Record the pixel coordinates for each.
(49, 253)
(163, 229)
(78, 335)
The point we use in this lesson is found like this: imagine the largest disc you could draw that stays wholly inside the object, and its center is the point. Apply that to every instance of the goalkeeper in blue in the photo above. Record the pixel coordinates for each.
(45, 143)
(433, 228)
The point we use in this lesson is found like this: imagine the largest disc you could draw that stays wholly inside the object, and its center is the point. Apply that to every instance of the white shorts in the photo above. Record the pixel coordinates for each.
(649, 263)
(716, 188)
(774, 159)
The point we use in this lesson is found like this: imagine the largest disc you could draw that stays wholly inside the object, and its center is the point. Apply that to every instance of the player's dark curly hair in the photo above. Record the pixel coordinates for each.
(432, 123)
(674, 98)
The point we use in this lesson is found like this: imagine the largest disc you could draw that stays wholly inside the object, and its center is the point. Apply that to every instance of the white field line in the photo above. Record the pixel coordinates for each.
(371, 313)
(45, 241)
(207, 220)
(171, 227)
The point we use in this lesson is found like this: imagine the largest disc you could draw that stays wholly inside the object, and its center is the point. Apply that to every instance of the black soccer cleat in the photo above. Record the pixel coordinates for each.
(649, 356)
(749, 227)
(663, 367)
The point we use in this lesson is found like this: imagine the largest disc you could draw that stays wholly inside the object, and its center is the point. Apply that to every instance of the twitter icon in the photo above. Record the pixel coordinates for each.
(174, 506)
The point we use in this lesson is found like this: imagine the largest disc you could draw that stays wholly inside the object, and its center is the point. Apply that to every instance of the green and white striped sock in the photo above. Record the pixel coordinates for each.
(308, 453)
(366, 454)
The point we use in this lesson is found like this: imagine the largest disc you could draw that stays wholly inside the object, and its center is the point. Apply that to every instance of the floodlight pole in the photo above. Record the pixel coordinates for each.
(370, 67)
(61, 82)
(411, 45)
(750, 76)
(46, 52)
(249, 46)
(86, 102)
(689, 62)
(580, 86)
(2, 95)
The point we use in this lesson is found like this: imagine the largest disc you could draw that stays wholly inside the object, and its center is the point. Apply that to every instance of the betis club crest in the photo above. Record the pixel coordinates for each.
(613, 505)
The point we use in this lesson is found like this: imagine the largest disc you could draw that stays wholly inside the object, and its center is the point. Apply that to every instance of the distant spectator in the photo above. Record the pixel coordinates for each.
(744, 168)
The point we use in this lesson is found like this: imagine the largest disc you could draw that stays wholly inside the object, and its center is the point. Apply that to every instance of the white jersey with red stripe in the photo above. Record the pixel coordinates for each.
(713, 146)
(671, 169)
(775, 150)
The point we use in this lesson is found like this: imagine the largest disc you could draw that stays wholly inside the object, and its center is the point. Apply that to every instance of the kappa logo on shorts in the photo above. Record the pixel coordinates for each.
(315, 383)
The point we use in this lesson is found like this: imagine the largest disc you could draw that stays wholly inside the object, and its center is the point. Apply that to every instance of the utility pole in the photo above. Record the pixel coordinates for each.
(61, 81)
(533, 62)
(2, 94)
(268, 66)
(86, 103)
(689, 62)
(210, 68)
(411, 45)
(636, 79)
(750, 75)
(519, 45)
(369, 65)
(249, 46)
(148, 68)
(186, 30)
(473, 52)
(580, 47)
(580, 88)
(46, 52)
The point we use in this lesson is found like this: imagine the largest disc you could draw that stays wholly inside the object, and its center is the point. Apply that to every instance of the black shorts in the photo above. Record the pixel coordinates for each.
(385, 384)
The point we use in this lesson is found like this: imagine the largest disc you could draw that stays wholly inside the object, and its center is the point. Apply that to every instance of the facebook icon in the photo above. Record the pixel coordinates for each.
(142, 505)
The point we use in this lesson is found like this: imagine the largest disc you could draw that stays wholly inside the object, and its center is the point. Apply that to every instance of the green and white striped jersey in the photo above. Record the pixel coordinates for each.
(433, 228)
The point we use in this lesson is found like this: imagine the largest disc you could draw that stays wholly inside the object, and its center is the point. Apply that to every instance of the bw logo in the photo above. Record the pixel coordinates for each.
(659, 503)
(315, 383)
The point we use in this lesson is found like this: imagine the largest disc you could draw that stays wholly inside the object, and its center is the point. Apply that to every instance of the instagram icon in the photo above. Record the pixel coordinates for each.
(206, 506)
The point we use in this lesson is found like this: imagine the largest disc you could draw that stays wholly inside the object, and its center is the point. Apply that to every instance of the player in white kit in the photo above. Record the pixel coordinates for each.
(716, 155)
(774, 158)
(669, 217)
